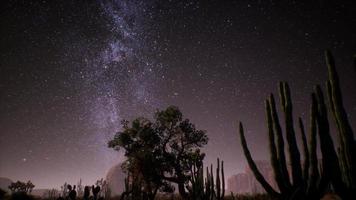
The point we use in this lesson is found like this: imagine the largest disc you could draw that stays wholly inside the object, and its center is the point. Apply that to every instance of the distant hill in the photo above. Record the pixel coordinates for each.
(4, 183)
(116, 179)
(43, 192)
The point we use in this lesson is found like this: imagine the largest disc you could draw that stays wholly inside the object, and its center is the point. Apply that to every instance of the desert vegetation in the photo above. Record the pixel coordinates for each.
(310, 180)
(164, 155)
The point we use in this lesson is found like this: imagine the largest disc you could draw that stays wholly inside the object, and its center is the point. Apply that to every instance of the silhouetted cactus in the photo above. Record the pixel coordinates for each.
(294, 155)
(313, 179)
(314, 174)
(72, 195)
(86, 193)
(305, 151)
(207, 188)
(220, 184)
(95, 190)
(259, 177)
(346, 137)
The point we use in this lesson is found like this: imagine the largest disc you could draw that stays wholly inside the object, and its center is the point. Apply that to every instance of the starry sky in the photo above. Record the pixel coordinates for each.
(70, 71)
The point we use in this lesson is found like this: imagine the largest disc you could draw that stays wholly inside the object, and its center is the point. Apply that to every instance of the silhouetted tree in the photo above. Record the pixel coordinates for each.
(161, 152)
(19, 186)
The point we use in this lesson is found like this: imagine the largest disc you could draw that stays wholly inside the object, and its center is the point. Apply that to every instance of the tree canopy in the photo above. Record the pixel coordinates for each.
(161, 151)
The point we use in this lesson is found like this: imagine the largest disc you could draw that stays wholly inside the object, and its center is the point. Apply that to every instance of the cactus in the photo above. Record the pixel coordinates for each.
(294, 155)
(305, 151)
(337, 169)
(72, 192)
(95, 190)
(86, 193)
(330, 164)
(280, 142)
(220, 185)
(274, 157)
(206, 189)
(314, 174)
(259, 177)
(346, 138)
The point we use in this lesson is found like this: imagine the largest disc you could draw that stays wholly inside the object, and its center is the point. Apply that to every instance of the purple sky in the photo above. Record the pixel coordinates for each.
(70, 71)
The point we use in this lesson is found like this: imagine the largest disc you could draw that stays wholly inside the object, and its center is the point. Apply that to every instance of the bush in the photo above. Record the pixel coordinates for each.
(21, 196)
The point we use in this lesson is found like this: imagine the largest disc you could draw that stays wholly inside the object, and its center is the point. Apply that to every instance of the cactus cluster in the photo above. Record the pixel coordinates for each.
(206, 188)
(98, 191)
(309, 179)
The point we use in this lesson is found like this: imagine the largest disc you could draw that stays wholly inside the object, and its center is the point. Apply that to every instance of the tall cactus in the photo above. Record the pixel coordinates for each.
(346, 138)
(330, 164)
(305, 151)
(280, 142)
(314, 174)
(294, 155)
(220, 184)
(312, 179)
(278, 174)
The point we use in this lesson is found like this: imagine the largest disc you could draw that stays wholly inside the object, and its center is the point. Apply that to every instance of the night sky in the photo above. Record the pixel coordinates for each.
(70, 71)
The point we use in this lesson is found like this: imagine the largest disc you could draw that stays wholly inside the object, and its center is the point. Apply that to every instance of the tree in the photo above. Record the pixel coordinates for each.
(161, 152)
(19, 186)
(181, 143)
(140, 143)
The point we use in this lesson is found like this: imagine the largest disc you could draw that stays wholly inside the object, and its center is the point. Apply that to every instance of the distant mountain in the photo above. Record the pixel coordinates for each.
(116, 179)
(4, 183)
(39, 192)
(246, 182)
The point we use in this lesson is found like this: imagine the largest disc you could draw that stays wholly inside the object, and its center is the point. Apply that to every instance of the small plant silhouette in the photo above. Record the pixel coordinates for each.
(95, 190)
(72, 192)
(86, 193)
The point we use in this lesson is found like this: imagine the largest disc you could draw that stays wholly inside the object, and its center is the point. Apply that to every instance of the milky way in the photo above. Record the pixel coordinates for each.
(123, 77)
(70, 71)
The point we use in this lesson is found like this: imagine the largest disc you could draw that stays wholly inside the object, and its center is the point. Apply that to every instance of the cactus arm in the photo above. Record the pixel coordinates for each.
(305, 151)
(217, 179)
(313, 171)
(330, 163)
(212, 188)
(280, 142)
(340, 116)
(290, 133)
(273, 150)
(223, 180)
(253, 167)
